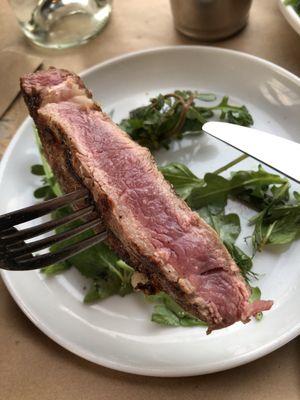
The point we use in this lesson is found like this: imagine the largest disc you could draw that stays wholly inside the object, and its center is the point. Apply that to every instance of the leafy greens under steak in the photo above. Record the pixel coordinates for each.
(170, 117)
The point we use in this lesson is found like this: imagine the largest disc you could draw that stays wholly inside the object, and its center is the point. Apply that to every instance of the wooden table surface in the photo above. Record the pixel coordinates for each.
(33, 366)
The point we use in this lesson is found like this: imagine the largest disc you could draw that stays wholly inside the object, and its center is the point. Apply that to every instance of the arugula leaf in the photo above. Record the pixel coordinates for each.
(252, 186)
(284, 230)
(233, 114)
(37, 169)
(55, 269)
(227, 226)
(105, 286)
(44, 192)
(205, 96)
(297, 196)
(168, 312)
(214, 191)
(163, 316)
(174, 115)
(276, 226)
(285, 210)
(256, 295)
(181, 178)
(249, 186)
(242, 260)
(278, 223)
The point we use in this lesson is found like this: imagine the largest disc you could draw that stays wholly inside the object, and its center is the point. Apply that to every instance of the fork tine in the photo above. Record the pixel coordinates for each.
(49, 241)
(51, 258)
(26, 214)
(37, 230)
(3, 253)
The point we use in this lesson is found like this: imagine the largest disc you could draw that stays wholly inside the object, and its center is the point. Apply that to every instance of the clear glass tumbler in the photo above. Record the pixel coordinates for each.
(61, 24)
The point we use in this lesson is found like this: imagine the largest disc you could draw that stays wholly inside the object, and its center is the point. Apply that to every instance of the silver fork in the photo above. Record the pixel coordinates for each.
(17, 255)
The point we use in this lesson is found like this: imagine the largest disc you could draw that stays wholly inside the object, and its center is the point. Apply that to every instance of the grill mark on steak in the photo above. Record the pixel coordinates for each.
(148, 225)
(69, 165)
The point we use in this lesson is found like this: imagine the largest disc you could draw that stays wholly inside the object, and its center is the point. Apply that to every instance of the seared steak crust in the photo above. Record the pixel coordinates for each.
(148, 224)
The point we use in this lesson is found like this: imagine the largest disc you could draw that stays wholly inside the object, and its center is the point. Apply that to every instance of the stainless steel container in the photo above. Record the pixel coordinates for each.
(210, 20)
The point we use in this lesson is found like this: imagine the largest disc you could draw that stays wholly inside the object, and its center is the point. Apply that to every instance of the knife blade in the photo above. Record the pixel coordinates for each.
(279, 153)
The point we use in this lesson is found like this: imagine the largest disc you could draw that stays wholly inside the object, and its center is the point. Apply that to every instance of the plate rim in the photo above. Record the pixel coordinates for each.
(211, 49)
(192, 371)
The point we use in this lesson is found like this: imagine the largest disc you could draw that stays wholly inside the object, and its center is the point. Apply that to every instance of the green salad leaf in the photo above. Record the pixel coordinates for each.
(233, 114)
(256, 295)
(168, 312)
(215, 192)
(227, 226)
(297, 197)
(174, 115)
(279, 222)
(182, 179)
(249, 186)
(57, 268)
(243, 261)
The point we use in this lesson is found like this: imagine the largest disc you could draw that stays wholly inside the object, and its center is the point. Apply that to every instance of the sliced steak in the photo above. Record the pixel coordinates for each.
(147, 222)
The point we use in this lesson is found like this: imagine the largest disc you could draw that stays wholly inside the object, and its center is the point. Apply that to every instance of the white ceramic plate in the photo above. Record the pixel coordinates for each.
(117, 332)
(290, 15)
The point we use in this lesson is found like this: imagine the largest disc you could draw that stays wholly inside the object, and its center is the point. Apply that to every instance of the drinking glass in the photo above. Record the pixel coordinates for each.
(61, 23)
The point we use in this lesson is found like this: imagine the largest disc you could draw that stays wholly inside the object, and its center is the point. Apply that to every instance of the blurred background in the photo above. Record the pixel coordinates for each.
(141, 24)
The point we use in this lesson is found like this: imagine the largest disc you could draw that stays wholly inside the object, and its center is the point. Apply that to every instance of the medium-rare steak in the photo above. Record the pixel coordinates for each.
(146, 221)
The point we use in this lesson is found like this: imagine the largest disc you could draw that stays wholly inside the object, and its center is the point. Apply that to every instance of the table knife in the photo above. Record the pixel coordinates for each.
(277, 152)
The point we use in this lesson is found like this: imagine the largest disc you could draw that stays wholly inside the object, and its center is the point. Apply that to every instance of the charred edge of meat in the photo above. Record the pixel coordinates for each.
(70, 168)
